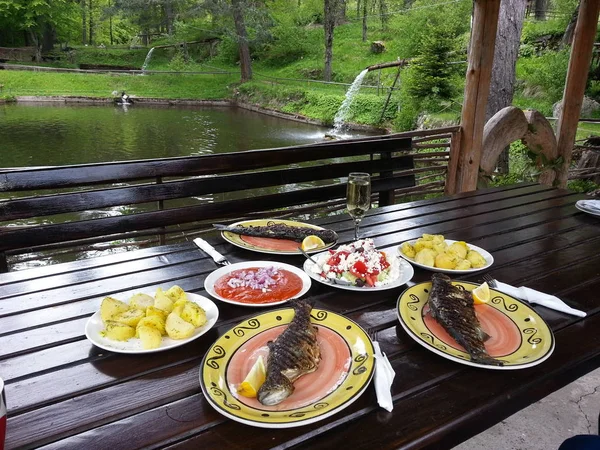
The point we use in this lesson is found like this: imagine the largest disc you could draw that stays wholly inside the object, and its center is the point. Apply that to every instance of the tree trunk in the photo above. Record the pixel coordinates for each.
(383, 13)
(567, 38)
(364, 21)
(242, 38)
(340, 12)
(541, 7)
(358, 9)
(506, 50)
(48, 38)
(83, 22)
(91, 22)
(169, 16)
(328, 26)
(38, 46)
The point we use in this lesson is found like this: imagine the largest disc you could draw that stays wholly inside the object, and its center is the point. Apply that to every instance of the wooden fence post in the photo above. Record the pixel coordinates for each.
(579, 63)
(477, 87)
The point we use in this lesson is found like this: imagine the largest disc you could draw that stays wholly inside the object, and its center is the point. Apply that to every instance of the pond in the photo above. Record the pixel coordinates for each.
(56, 134)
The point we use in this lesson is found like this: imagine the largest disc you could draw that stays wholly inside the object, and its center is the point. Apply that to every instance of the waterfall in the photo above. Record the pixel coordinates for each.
(147, 60)
(342, 114)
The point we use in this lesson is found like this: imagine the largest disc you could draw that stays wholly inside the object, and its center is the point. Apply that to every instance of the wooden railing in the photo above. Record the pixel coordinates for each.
(67, 208)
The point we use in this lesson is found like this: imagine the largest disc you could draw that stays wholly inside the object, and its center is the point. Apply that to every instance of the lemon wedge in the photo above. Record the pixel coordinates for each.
(311, 242)
(481, 294)
(254, 380)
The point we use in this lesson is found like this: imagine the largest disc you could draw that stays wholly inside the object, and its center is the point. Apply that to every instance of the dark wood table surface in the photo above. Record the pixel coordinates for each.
(63, 392)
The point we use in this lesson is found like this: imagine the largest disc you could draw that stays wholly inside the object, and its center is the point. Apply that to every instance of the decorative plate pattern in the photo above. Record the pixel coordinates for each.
(489, 259)
(95, 326)
(519, 336)
(346, 368)
(268, 245)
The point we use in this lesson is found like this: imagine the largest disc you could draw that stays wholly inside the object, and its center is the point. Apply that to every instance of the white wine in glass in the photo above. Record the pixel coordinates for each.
(358, 197)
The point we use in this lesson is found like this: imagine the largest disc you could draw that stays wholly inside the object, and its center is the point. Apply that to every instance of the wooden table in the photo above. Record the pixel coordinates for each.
(65, 393)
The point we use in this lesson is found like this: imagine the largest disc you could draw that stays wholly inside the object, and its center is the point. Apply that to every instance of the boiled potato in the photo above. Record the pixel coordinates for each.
(157, 322)
(426, 257)
(141, 301)
(152, 311)
(130, 317)
(445, 261)
(440, 247)
(193, 314)
(162, 301)
(178, 309)
(119, 331)
(111, 306)
(476, 259)
(177, 328)
(175, 293)
(465, 264)
(408, 250)
(421, 244)
(150, 337)
(427, 237)
(460, 249)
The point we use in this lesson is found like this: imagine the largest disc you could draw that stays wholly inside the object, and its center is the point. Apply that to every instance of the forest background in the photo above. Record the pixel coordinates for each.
(297, 56)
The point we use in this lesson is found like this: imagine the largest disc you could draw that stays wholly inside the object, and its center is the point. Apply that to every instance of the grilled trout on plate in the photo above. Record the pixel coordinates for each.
(280, 231)
(293, 354)
(453, 309)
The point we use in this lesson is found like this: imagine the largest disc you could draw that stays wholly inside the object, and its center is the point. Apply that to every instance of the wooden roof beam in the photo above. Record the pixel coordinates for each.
(579, 64)
(477, 87)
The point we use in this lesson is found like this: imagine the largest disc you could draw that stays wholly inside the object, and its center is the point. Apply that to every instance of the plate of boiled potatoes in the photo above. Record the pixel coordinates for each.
(434, 252)
(151, 321)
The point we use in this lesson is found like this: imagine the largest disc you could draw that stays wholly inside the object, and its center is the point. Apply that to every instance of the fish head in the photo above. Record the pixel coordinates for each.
(273, 392)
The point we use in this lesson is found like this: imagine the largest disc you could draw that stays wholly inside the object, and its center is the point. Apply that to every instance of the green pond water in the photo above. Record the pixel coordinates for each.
(50, 134)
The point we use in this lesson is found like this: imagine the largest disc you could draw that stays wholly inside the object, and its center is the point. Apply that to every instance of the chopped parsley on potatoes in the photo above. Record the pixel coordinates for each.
(433, 250)
(168, 313)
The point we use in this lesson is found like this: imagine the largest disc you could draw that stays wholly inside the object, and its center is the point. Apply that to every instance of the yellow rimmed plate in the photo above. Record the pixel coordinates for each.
(345, 370)
(519, 336)
(268, 245)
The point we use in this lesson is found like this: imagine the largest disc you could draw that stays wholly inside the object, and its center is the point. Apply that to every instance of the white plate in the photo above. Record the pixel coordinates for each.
(211, 279)
(489, 259)
(94, 326)
(406, 273)
(589, 206)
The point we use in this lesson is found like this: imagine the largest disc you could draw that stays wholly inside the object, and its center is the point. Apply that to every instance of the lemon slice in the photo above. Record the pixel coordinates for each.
(311, 242)
(254, 380)
(481, 294)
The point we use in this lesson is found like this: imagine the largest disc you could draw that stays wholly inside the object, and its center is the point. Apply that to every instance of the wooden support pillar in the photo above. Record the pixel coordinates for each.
(579, 64)
(477, 87)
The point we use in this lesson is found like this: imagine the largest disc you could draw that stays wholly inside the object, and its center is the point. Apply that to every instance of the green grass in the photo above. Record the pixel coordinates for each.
(206, 87)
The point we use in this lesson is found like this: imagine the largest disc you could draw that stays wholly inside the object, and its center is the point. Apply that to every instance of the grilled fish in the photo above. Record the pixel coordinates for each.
(293, 354)
(453, 308)
(280, 231)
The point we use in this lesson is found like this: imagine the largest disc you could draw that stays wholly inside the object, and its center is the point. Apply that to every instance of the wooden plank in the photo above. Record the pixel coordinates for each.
(479, 71)
(102, 173)
(95, 199)
(579, 64)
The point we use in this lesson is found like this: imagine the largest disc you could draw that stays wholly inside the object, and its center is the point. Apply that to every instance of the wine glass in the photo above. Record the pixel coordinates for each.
(358, 197)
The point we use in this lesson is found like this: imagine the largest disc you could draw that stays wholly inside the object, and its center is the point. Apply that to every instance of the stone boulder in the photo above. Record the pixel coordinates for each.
(587, 108)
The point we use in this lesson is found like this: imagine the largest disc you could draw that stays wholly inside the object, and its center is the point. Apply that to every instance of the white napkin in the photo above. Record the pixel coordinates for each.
(592, 206)
(537, 297)
(384, 376)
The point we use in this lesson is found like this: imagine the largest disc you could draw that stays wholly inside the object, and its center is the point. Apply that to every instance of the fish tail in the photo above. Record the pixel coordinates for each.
(483, 358)
(220, 226)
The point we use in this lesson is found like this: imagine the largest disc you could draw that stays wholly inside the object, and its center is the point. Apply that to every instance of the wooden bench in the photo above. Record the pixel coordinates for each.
(172, 196)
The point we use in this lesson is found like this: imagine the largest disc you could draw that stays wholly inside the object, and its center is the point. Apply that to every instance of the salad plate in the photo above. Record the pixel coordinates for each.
(94, 328)
(257, 283)
(519, 337)
(346, 368)
(269, 245)
(489, 259)
(398, 273)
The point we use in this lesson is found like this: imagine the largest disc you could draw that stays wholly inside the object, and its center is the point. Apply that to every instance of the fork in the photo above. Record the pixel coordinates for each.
(490, 280)
(210, 250)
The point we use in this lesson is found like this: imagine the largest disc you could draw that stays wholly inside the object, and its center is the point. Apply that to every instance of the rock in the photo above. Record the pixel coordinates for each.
(377, 47)
(587, 108)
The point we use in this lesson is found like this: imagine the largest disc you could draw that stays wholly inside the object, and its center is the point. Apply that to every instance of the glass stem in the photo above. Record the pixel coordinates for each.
(356, 222)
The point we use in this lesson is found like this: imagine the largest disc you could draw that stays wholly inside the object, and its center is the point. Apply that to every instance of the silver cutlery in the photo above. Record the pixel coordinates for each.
(532, 296)
(210, 250)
